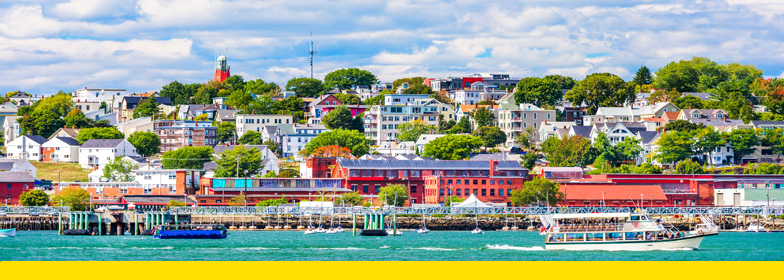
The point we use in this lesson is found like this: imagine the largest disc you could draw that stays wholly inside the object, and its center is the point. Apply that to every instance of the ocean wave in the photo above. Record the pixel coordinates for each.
(507, 247)
(340, 249)
(257, 248)
(433, 249)
(384, 247)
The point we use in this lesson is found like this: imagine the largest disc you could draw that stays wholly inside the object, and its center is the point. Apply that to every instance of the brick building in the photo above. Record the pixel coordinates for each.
(219, 191)
(494, 189)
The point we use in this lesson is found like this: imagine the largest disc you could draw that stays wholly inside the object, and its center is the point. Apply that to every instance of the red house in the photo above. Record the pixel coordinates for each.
(324, 104)
(13, 183)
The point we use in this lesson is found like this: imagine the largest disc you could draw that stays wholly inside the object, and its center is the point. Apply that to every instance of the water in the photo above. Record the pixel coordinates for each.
(433, 246)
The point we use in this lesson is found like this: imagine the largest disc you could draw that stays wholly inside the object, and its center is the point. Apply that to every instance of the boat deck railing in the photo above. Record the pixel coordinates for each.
(589, 228)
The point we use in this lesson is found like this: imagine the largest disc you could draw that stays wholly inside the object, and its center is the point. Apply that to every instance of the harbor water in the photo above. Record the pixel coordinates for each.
(410, 246)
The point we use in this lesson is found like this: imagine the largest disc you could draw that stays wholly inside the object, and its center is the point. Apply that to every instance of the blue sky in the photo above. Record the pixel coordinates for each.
(51, 45)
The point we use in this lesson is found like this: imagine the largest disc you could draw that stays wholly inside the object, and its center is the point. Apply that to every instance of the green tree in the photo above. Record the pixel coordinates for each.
(248, 160)
(273, 146)
(173, 203)
(120, 170)
(76, 119)
(411, 130)
(538, 91)
(34, 198)
(482, 117)
(272, 202)
(238, 200)
(262, 105)
(289, 173)
(675, 146)
(454, 147)
(353, 140)
(643, 76)
(647, 168)
(250, 138)
(707, 140)
(410, 81)
(226, 131)
(527, 138)
(349, 199)
(180, 94)
(419, 89)
(98, 133)
(528, 160)
(628, 150)
(186, 158)
(394, 194)
(688, 102)
(291, 104)
(235, 82)
(270, 174)
(601, 89)
(689, 167)
(451, 200)
(239, 99)
(146, 143)
(682, 125)
(259, 87)
(59, 104)
(376, 100)
(339, 118)
(742, 142)
(146, 108)
(76, 198)
(306, 87)
(40, 122)
(564, 82)
(348, 99)
(540, 191)
(568, 151)
(774, 138)
(349, 78)
(491, 136)
(462, 126)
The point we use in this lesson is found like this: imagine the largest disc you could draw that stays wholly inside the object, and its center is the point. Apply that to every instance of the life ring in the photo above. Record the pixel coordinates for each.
(636, 224)
(699, 232)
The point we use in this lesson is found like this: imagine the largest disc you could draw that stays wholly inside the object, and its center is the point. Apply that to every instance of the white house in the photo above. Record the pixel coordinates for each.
(61, 149)
(248, 122)
(11, 129)
(397, 148)
(26, 147)
(95, 153)
(293, 138)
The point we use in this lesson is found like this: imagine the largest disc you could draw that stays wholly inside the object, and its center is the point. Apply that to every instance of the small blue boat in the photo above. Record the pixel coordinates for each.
(190, 232)
(8, 232)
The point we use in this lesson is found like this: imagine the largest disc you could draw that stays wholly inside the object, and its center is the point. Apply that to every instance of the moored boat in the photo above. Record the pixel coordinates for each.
(191, 232)
(618, 231)
(11, 232)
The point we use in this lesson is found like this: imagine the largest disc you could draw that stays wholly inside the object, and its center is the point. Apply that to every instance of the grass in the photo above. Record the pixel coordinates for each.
(70, 172)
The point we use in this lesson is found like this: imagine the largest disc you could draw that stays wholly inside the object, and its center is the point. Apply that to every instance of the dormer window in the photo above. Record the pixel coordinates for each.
(719, 115)
(696, 115)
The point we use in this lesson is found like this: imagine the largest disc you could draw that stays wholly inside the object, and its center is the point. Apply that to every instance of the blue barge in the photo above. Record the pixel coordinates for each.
(191, 232)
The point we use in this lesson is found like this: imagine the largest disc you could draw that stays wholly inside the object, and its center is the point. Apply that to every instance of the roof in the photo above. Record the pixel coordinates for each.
(16, 176)
(612, 192)
(647, 136)
(487, 157)
(132, 100)
(767, 123)
(469, 108)
(154, 199)
(584, 131)
(102, 143)
(209, 166)
(68, 140)
(614, 111)
(428, 164)
(700, 95)
(37, 138)
(670, 115)
(471, 201)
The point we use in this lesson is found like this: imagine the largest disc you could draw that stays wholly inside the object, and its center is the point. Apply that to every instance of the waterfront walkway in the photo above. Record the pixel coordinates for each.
(289, 210)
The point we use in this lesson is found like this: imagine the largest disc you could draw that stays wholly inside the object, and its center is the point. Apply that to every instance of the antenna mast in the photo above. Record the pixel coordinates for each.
(311, 52)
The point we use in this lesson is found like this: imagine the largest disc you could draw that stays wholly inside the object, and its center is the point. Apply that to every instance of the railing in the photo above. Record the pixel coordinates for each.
(588, 227)
(34, 209)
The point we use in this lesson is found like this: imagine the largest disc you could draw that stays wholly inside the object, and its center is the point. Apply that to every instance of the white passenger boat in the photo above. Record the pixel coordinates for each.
(617, 231)
(755, 228)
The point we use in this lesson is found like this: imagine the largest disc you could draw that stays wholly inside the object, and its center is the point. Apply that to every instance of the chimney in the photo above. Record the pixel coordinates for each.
(545, 122)
(690, 107)
(725, 118)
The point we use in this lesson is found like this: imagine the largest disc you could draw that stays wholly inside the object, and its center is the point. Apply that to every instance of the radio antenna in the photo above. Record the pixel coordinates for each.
(311, 52)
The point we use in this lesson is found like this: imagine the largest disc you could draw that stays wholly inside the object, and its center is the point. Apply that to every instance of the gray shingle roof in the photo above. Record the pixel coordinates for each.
(102, 143)
(16, 176)
(758, 123)
(36, 138)
(493, 156)
(646, 136)
(69, 141)
(584, 131)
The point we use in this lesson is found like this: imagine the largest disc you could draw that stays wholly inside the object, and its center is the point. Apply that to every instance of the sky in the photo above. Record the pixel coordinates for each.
(140, 46)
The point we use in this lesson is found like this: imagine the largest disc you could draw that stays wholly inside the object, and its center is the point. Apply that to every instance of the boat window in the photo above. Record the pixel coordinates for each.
(556, 237)
(635, 218)
(614, 236)
(634, 236)
(575, 236)
(595, 236)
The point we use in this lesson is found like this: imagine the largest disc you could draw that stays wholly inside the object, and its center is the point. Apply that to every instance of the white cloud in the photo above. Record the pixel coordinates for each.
(89, 9)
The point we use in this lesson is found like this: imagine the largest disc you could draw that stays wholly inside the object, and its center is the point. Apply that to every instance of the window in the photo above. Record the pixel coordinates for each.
(467, 182)
(218, 201)
(365, 188)
(458, 192)
(509, 192)
(492, 182)
(484, 192)
(378, 188)
(492, 192)
(500, 182)
(413, 189)
(353, 188)
(8, 186)
(476, 182)
(441, 192)
(202, 201)
(476, 192)
(465, 192)
(484, 182)
(457, 182)
(509, 182)
(501, 192)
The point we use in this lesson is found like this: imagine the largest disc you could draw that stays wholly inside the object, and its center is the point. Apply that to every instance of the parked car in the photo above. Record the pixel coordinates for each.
(516, 150)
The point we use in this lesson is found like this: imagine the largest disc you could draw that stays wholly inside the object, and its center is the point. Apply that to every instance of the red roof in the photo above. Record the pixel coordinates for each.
(670, 115)
(612, 192)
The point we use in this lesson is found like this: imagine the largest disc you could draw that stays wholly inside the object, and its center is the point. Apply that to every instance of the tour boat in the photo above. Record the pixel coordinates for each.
(755, 228)
(191, 232)
(11, 232)
(617, 231)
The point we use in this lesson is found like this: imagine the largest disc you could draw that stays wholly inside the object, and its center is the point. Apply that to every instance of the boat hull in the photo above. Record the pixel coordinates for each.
(8, 232)
(691, 242)
(191, 234)
(373, 232)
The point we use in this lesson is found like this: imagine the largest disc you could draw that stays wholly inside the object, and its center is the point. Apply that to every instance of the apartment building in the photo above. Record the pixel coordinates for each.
(176, 133)
(253, 122)
(381, 122)
(514, 119)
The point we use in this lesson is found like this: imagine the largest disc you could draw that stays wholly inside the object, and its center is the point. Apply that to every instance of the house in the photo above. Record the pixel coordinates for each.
(65, 132)
(88, 106)
(381, 121)
(95, 153)
(403, 99)
(226, 115)
(129, 103)
(13, 184)
(25, 147)
(111, 97)
(397, 148)
(293, 138)
(464, 111)
(424, 139)
(60, 149)
(717, 118)
(767, 124)
(268, 157)
(193, 110)
(648, 144)
(322, 105)
(514, 119)
(11, 129)
(255, 122)
(17, 165)
(176, 133)
(268, 132)
(574, 114)
(136, 125)
(657, 110)
(99, 115)
(617, 132)
(550, 129)
(8, 109)
(584, 131)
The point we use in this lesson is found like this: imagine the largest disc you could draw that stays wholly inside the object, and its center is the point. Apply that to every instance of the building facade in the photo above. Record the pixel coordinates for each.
(249, 122)
(175, 134)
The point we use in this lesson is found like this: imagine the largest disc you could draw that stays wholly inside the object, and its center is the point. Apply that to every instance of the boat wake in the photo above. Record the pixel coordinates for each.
(341, 249)
(433, 249)
(384, 247)
(258, 248)
(507, 247)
